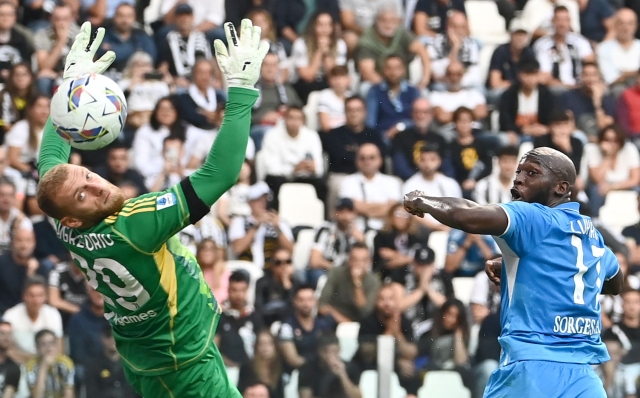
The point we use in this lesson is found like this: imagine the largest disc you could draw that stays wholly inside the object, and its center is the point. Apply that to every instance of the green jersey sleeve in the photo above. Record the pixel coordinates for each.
(147, 221)
(53, 150)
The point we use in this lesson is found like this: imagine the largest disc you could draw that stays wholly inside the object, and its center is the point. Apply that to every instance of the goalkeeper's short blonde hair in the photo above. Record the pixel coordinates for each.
(48, 186)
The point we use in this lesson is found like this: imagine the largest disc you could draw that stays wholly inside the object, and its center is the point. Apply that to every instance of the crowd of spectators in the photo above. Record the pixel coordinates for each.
(363, 100)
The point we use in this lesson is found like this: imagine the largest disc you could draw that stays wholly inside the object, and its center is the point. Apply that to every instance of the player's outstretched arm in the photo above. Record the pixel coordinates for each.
(457, 213)
(54, 150)
(241, 66)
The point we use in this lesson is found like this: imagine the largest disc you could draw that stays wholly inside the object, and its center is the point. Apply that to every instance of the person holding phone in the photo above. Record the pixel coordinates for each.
(173, 171)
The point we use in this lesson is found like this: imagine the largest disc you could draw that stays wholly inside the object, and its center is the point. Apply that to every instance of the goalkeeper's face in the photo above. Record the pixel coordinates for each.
(87, 198)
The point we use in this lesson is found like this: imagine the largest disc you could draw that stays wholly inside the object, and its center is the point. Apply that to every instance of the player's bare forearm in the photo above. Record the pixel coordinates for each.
(53, 150)
(614, 285)
(457, 213)
(222, 166)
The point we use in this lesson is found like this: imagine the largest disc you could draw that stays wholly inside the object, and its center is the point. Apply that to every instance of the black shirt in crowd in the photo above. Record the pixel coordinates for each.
(72, 287)
(248, 377)
(9, 374)
(404, 243)
(273, 301)
(465, 158)
(626, 336)
(318, 377)
(238, 331)
(105, 378)
(12, 278)
(14, 51)
(502, 61)
(405, 149)
(488, 345)
(341, 144)
(421, 315)
(371, 327)
(306, 341)
(438, 12)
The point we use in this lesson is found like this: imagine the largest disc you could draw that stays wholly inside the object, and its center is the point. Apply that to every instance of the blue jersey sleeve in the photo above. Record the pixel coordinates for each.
(610, 265)
(528, 225)
(456, 238)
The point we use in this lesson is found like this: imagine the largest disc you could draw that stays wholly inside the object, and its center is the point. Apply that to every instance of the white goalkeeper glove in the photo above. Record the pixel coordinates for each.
(241, 64)
(80, 58)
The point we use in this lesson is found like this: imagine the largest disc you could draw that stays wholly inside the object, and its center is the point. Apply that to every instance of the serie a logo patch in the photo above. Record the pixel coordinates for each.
(166, 200)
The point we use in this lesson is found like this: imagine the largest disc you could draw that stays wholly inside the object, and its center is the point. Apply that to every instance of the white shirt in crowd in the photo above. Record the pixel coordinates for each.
(18, 136)
(547, 57)
(380, 189)
(144, 96)
(281, 152)
(208, 227)
(24, 329)
(627, 159)
(364, 11)
(537, 14)
(441, 186)
(147, 148)
(238, 229)
(613, 59)
(203, 146)
(300, 56)
(331, 104)
(203, 10)
(490, 190)
(450, 101)
(238, 200)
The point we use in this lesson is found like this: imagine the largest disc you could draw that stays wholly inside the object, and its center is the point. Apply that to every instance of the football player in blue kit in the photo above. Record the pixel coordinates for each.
(554, 265)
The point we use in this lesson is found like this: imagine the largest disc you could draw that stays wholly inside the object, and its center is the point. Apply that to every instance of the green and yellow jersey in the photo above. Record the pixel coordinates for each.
(162, 311)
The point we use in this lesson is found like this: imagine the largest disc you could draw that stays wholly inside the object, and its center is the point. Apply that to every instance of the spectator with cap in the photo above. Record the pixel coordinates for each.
(292, 152)
(117, 168)
(299, 333)
(350, 292)
(124, 39)
(9, 370)
(619, 56)
(405, 147)
(467, 253)
(50, 373)
(389, 103)
(562, 53)
(18, 265)
(274, 291)
(333, 241)
(255, 237)
(592, 107)
(503, 67)
(386, 37)
(430, 179)
(525, 107)
(456, 44)
(30, 317)
(424, 290)
(104, 376)
(372, 192)
(329, 376)
(178, 52)
(239, 323)
(496, 188)
(208, 17)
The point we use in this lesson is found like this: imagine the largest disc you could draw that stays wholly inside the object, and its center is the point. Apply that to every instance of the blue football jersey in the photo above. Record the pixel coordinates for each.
(554, 265)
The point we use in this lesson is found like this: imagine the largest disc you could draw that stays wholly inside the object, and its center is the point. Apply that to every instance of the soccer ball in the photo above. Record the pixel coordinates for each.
(89, 111)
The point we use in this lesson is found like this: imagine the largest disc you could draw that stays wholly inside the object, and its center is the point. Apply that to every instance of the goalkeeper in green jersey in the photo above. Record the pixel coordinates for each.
(161, 310)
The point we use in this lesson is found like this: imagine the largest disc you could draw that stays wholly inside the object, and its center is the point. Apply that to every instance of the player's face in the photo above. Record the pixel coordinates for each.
(87, 198)
(531, 184)
(7, 197)
(386, 303)
(34, 298)
(238, 294)
(304, 302)
(5, 337)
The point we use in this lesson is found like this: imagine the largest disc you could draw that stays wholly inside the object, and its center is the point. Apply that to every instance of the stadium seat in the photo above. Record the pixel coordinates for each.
(311, 110)
(485, 23)
(302, 248)
(347, 333)
(260, 166)
(369, 385)
(291, 389)
(415, 71)
(462, 288)
(620, 209)
(524, 148)
(255, 273)
(485, 58)
(369, 237)
(438, 243)
(233, 373)
(299, 205)
(321, 282)
(443, 384)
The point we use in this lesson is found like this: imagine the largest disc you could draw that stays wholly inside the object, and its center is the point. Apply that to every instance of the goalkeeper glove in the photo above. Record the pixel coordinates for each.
(241, 64)
(80, 58)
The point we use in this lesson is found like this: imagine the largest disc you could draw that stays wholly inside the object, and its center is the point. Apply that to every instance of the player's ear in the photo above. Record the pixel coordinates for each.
(70, 222)
(563, 188)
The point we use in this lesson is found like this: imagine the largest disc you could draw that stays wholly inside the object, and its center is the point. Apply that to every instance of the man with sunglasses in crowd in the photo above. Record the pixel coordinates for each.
(274, 291)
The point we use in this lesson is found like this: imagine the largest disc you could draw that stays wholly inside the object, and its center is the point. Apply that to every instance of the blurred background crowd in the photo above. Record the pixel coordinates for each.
(311, 254)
